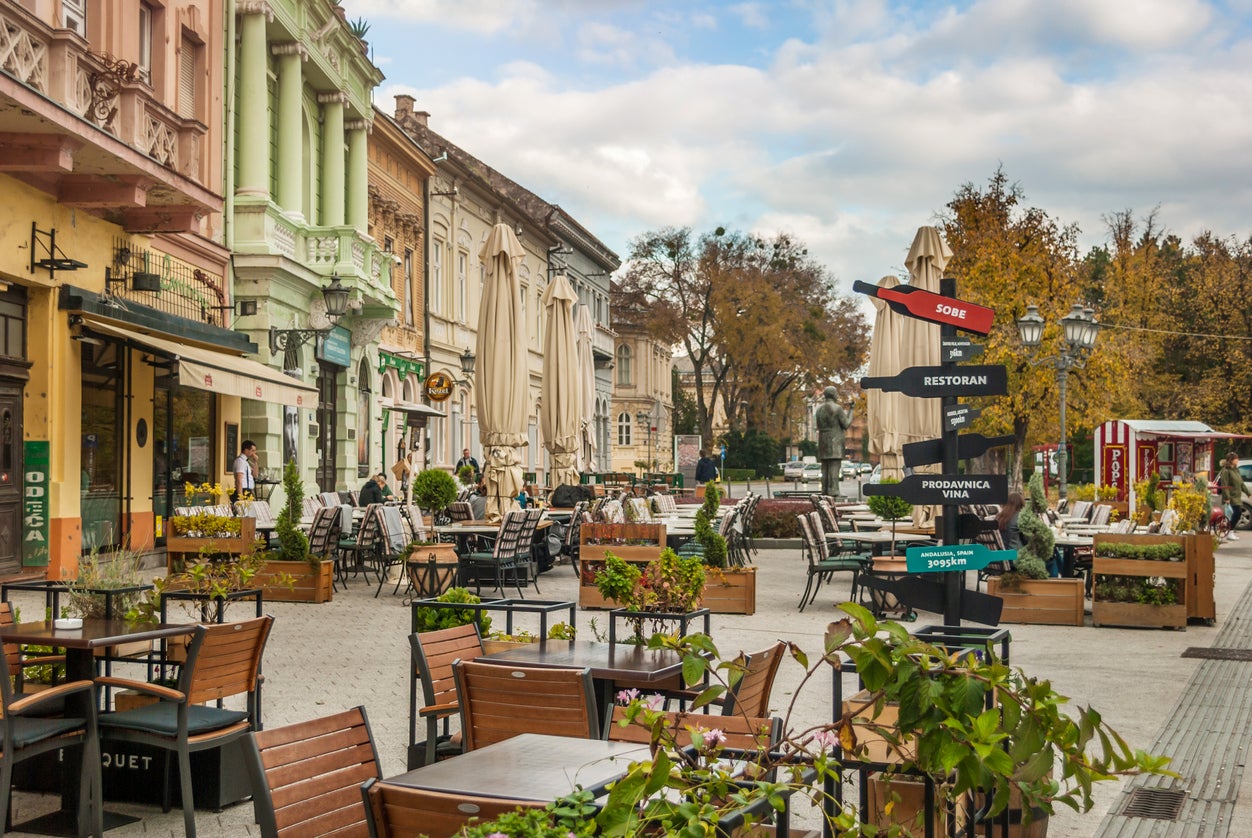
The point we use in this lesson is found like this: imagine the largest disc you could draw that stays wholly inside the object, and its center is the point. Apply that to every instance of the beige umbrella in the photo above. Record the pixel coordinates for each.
(587, 389)
(922, 418)
(885, 410)
(502, 372)
(561, 405)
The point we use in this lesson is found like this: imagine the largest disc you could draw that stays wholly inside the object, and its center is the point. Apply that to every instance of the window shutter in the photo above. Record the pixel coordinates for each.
(187, 80)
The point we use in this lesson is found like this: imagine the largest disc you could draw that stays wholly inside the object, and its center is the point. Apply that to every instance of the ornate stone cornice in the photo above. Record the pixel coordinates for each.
(255, 7)
(331, 97)
(290, 48)
(366, 125)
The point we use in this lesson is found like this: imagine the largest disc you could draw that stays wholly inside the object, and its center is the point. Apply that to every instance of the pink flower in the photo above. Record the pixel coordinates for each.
(654, 702)
(498, 835)
(825, 740)
(624, 697)
(713, 737)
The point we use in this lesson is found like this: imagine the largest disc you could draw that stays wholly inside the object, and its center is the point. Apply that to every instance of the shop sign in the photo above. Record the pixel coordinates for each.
(1113, 472)
(940, 382)
(336, 347)
(439, 386)
(946, 489)
(35, 510)
(403, 366)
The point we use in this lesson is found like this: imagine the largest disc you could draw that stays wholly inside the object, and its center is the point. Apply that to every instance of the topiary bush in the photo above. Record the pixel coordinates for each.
(434, 489)
(712, 541)
(293, 545)
(1037, 539)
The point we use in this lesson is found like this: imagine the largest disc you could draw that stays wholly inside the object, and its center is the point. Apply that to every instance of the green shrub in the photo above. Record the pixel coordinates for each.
(433, 619)
(1037, 539)
(776, 517)
(293, 544)
(434, 489)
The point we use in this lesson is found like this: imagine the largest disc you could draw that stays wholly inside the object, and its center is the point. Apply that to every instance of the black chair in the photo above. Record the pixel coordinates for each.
(223, 660)
(356, 551)
(501, 562)
(821, 566)
(36, 724)
(525, 567)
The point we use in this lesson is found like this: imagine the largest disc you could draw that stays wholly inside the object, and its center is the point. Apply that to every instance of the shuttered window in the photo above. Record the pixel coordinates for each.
(187, 79)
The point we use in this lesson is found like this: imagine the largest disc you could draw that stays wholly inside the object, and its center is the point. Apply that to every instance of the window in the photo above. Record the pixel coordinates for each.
(462, 277)
(624, 359)
(409, 301)
(436, 276)
(624, 429)
(363, 420)
(74, 15)
(188, 61)
(145, 42)
(523, 295)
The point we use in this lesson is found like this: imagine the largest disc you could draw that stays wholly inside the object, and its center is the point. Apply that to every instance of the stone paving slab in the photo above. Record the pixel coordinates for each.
(354, 650)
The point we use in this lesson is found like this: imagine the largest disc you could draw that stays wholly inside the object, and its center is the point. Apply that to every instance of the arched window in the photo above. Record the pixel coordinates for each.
(624, 360)
(624, 429)
(363, 422)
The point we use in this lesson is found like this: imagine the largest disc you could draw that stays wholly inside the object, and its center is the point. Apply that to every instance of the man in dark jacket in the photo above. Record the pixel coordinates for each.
(375, 490)
(706, 469)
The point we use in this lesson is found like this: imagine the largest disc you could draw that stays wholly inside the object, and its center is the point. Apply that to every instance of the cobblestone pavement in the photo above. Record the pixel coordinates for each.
(325, 658)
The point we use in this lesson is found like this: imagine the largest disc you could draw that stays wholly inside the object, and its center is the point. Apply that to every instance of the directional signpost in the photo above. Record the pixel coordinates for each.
(938, 382)
(931, 307)
(968, 446)
(954, 557)
(955, 418)
(959, 349)
(946, 489)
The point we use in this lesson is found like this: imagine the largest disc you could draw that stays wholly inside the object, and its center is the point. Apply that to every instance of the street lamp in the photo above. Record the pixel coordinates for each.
(1078, 336)
(644, 418)
(468, 359)
(335, 295)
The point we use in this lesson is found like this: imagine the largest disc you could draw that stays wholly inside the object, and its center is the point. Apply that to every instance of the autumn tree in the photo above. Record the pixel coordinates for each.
(757, 318)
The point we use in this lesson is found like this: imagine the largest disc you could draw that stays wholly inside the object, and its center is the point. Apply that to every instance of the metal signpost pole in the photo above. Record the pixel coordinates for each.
(953, 581)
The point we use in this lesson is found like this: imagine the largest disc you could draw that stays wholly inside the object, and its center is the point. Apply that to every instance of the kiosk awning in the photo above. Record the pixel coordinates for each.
(218, 372)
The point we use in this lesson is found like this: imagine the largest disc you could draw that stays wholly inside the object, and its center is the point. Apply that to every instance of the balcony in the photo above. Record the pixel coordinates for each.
(81, 126)
(602, 342)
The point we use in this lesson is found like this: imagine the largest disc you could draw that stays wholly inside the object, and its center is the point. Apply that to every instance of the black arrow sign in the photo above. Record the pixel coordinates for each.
(959, 349)
(937, 382)
(968, 446)
(955, 418)
(951, 489)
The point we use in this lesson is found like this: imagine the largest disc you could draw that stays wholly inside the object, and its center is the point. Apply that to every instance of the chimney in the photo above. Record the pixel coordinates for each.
(421, 118)
(404, 106)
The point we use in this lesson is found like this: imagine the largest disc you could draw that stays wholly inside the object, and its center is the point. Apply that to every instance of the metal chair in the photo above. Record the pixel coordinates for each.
(503, 556)
(389, 546)
(359, 547)
(500, 702)
(306, 777)
(821, 566)
(433, 653)
(223, 660)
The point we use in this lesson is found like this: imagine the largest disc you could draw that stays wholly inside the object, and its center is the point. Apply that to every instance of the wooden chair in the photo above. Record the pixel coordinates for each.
(306, 777)
(434, 652)
(324, 532)
(223, 660)
(35, 724)
(750, 695)
(499, 702)
(821, 567)
(402, 812)
(747, 734)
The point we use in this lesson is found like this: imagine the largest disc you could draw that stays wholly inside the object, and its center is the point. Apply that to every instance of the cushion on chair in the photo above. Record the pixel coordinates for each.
(30, 730)
(839, 564)
(162, 718)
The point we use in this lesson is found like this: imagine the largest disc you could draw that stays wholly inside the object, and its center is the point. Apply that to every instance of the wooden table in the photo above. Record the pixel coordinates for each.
(609, 663)
(530, 766)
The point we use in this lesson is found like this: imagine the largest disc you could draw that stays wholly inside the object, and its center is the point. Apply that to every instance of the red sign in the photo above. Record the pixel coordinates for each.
(1147, 459)
(1114, 469)
(935, 308)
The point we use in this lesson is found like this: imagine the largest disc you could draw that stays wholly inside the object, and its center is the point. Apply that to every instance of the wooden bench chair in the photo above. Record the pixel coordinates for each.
(434, 652)
(500, 702)
(402, 812)
(306, 777)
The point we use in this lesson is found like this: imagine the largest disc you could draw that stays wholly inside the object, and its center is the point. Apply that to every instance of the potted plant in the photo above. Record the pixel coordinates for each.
(976, 726)
(1149, 498)
(433, 489)
(429, 615)
(661, 591)
(290, 572)
(730, 590)
(466, 475)
(431, 565)
(633, 543)
(1029, 595)
(889, 508)
(1139, 582)
(208, 533)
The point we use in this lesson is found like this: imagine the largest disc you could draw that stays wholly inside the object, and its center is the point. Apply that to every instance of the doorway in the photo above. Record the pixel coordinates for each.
(327, 412)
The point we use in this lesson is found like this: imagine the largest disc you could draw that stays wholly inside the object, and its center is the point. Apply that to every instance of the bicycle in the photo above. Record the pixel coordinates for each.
(1219, 524)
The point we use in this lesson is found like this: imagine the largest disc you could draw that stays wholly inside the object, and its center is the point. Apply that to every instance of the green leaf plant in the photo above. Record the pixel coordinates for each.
(970, 722)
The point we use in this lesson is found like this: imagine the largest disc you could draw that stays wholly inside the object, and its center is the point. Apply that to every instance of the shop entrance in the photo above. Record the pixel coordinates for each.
(10, 476)
(327, 410)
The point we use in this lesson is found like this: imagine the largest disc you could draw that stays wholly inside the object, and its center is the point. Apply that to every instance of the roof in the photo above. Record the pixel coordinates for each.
(1167, 426)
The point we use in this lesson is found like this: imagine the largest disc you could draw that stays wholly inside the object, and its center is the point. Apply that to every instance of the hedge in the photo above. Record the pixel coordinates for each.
(776, 517)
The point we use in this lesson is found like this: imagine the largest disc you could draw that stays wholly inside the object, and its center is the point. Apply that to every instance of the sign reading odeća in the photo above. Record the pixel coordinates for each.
(439, 386)
(935, 308)
(938, 382)
(945, 489)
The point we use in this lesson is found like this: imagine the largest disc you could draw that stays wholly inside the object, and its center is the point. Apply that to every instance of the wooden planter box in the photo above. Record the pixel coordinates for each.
(591, 554)
(310, 585)
(1105, 613)
(730, 591)
(1046, 602)
(179, 548)
(1198, 558)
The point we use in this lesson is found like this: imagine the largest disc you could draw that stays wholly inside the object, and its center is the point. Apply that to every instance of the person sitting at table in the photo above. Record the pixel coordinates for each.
(1006, 521)
(478, 500)
(375, 490)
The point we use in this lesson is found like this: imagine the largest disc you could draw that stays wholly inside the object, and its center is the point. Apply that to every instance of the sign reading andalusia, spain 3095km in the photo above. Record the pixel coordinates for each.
(951, 489)
(937, 382)
(956, 557)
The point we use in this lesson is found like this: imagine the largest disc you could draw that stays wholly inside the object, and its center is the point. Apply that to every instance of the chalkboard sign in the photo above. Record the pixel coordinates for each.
(232, 445)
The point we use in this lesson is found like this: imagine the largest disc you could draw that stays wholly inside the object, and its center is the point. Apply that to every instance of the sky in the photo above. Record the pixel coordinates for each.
(847, 123)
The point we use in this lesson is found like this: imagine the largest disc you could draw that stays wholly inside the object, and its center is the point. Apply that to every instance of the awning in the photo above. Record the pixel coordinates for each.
(218, 372)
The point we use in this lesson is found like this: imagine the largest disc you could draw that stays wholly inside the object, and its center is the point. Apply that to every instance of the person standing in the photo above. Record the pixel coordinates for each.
(706, 469)
(832, 423)
(1232, 488)
(467, 460)
(245, 478)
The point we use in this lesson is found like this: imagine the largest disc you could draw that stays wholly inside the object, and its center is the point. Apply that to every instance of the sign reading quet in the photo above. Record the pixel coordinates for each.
(439, 386)
(935, 308)
(938, 382)
(946, 489)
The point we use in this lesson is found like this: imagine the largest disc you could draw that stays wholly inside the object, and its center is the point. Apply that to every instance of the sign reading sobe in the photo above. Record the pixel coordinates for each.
(439, 386)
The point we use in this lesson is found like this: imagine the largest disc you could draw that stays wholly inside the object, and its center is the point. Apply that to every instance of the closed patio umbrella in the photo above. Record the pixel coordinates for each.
(561, 405)
(586, 390)
(503, 374)
(885, 410)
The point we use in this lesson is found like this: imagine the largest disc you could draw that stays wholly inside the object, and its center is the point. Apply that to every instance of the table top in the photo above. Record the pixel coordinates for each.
(1074, 541)
(94, 633)
(612, 661)
(552, 767)
(881, 537)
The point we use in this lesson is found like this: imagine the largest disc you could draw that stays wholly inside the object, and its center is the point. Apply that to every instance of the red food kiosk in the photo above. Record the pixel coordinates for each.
(1127, 450)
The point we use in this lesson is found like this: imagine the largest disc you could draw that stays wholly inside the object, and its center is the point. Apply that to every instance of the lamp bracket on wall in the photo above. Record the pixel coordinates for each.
(54, 259)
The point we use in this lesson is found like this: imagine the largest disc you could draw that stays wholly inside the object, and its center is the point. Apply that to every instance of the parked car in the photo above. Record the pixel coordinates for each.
(849, 470)
(875, 476)
(866, 468)
(812, 473)
(793, 470)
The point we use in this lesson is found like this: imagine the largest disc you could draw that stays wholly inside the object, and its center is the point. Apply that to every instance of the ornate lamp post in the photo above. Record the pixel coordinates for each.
(1078, 336)
(335, 295)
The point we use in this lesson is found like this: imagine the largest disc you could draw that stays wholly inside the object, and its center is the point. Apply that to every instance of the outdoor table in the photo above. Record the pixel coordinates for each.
(530, 766)
(609, 663)
(880, 538)
(80, 645)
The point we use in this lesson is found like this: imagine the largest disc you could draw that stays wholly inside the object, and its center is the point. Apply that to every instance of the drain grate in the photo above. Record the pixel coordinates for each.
(1161, 804)
(1217, 653)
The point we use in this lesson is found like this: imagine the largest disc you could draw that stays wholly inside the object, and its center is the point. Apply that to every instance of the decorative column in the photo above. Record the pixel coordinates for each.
(358, 174)
(290, 134)
(254, 141)
(332, 158)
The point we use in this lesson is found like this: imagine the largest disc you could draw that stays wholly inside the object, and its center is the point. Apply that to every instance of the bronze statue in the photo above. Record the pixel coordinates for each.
(832, 422)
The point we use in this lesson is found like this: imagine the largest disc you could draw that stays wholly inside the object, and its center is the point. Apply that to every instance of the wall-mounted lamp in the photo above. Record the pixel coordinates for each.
(241, 308)
(468, 360)
(336, 297)
(76, 332)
